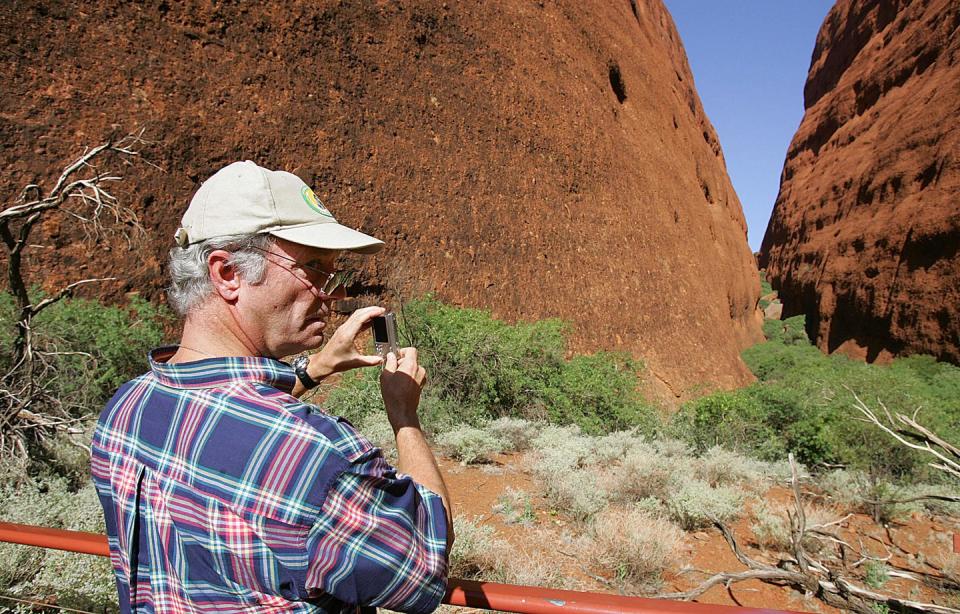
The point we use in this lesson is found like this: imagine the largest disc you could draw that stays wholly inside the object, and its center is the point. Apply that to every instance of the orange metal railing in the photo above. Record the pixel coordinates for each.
(486, 595)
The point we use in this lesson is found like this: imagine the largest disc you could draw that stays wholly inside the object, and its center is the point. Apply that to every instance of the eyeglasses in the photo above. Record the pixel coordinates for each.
(332, 281)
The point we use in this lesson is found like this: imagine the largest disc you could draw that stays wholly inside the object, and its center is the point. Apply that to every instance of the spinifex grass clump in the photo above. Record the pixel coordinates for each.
(481, 368)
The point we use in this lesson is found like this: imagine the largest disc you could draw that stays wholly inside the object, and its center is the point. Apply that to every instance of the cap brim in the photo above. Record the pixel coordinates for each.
(330, 236)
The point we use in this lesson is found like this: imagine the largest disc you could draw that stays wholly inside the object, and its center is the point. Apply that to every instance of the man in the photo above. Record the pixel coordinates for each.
(221, 490)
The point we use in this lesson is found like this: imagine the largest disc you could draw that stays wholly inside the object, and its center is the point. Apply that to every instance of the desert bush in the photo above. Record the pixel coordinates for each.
(79, 581)
(695, 505)
(846, 489)
(535, 569)
(635, 545)
(469, 444)
(577, 493)
(477, 552)
(516, 434)
(643, 473)
(856, 491)
(566, 468)
(770, 526)
(721, 467)
(671, 448)
(613, 447)
(560, 448)
(933, 506)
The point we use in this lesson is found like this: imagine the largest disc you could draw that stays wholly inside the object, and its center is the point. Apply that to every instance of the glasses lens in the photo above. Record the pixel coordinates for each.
(338, 280)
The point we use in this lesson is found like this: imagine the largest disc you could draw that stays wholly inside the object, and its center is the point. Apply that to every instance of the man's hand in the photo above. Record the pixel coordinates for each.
(401, 382)
(340, 353)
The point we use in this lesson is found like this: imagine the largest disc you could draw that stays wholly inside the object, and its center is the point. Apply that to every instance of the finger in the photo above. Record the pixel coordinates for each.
(369, 361)
(390, 364)
(421, 376)
(408, 354)
(408, 361)
(360, 319)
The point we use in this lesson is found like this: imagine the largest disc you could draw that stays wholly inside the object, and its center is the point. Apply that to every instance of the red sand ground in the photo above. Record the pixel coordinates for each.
(476, 489)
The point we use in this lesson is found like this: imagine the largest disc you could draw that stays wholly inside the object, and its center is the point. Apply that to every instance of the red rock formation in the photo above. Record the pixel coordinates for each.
(865, 231)
(541, 159)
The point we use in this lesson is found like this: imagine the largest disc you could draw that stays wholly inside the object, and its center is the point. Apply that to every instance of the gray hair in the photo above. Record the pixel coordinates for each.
(190, 278)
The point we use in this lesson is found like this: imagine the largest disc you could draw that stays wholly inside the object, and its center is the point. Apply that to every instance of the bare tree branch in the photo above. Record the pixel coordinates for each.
(28, 408)
(946, 463)
(829, 584)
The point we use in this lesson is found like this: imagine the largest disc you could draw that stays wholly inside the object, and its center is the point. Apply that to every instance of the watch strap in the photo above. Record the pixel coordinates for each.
(300, 369)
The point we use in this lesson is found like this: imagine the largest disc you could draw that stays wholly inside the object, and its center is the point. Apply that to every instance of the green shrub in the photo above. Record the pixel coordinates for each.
(94, 347)
(765, 287)
(875, 574)
(598, 393)
(791, 331)
(803, 402)
(356, 395)
(482, 368)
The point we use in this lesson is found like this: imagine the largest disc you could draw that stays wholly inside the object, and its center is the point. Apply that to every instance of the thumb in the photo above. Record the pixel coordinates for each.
(390, 364)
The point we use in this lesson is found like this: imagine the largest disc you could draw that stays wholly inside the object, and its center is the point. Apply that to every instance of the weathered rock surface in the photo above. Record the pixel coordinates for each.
(536, 158)
(865, 231)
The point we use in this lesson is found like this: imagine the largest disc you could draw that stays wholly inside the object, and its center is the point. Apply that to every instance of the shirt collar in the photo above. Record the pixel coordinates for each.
(220, 371)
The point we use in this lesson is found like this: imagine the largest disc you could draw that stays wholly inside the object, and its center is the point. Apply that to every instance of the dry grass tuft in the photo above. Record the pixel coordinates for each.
(635, 545)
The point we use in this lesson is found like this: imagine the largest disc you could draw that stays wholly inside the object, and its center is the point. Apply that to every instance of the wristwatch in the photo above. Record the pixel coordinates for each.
(300, 368)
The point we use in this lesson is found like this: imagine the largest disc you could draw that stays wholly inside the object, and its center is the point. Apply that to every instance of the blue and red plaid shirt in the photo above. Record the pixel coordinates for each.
(224, 493)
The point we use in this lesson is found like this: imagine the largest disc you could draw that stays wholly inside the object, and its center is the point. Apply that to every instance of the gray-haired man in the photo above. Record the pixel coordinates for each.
(221, 490)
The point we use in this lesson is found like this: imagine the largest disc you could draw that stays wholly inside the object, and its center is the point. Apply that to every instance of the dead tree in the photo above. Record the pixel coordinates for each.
(910, 433)
(80, 192)
(832, 582)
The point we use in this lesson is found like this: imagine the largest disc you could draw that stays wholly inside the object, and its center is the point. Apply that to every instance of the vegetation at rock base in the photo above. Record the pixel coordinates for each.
(803, 402)
(596, 451)
(482, 368)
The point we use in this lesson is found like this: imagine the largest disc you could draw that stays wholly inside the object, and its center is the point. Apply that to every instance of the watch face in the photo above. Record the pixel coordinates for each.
(300, 363)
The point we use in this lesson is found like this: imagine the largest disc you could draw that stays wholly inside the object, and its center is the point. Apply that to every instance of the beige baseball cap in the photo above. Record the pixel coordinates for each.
(244, 198)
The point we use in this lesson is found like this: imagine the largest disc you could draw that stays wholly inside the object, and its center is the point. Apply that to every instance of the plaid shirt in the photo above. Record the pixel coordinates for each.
(224, 493)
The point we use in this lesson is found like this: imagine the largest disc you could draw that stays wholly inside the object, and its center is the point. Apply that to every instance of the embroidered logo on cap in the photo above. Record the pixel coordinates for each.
(313, 202)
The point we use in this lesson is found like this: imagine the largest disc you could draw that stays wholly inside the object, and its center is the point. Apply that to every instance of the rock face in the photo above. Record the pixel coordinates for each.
(865, 231)
(541, 159)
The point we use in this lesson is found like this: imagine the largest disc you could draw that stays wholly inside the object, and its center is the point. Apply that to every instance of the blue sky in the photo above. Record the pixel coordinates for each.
(750, 60)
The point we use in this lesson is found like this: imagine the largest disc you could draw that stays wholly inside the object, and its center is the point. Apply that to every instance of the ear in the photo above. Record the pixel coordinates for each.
(223, 275)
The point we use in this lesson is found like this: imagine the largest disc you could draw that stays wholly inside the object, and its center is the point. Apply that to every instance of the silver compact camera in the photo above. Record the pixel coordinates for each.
(385, 335)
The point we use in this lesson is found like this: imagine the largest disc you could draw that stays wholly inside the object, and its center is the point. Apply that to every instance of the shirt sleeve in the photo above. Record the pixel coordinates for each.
(380, 540)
